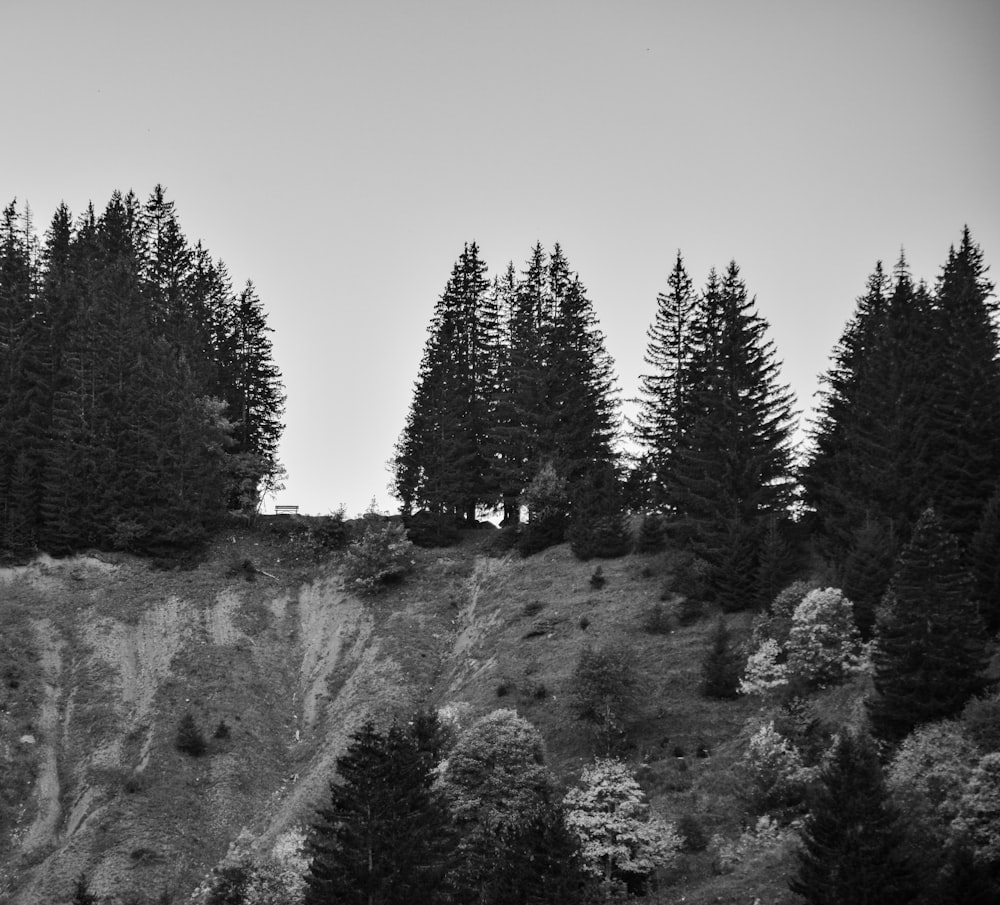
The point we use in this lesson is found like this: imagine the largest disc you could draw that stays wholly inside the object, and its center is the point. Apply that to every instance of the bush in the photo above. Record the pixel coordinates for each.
(331, 533)
(597, 579)
(693, 836)
(548, 512)
(657, 620)
(383, 555)
(765, 673)
(189, 738)
(221, 731)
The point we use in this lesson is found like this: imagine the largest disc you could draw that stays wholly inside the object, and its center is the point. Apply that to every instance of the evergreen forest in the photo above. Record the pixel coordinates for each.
(140, 401)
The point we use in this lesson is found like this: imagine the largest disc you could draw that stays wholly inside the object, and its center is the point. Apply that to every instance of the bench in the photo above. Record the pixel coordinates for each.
(286, 510)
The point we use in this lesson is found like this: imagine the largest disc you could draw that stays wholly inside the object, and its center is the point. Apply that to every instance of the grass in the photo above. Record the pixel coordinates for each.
(464, 627)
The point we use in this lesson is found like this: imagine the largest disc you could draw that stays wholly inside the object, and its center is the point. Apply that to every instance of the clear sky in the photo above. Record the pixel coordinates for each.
(340, 154)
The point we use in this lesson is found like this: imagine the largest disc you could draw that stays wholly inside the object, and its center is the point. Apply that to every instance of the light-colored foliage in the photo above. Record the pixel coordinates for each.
(764, 673)
(274, 877)
(495, 776)
(610, 815)
(383, 554)
(765, 835)
(824, 645)
(978, 819)
(928, 776)
(772, 769)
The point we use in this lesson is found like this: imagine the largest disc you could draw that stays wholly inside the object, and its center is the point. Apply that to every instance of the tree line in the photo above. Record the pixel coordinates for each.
(516, 405)
(139, 400)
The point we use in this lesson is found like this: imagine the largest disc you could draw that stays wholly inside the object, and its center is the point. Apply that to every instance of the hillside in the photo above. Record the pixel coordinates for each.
(104, 654)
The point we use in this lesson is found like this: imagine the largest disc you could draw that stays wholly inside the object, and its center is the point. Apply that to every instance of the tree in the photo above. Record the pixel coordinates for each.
(604, 692)
(621, 840)
(852, 841)
(929, 655)
(824, 645)
(189, 738)
(665, 392)
(445, 459)
(256, 400)
(81, 892)
(720, 669)
(985, 564)
(384, 837)
(731, 472)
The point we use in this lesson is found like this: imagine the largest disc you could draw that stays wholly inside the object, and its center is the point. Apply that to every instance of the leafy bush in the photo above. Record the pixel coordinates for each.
(189, 738)
(548, 512)
(331, 532)
(383, 555)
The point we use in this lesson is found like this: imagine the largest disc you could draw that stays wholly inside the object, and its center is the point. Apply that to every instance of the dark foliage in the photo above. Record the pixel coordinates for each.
(138, 397)
(852, 839)
(81, 892)
(652, 534)
(604, 688)
(929, 656)
(721, 667)
(189, 737)
(430, 529)
(385, 835)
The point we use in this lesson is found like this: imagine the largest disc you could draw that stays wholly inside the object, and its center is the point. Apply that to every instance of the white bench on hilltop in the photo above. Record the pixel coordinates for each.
(286, 510)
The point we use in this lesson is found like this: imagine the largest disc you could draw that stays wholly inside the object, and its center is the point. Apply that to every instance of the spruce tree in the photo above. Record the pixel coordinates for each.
(721, 667)
(664, 392)
(852, 840)
(984, 562)
(731, 475)
(929, 642)
(445, 458)
(384, 838)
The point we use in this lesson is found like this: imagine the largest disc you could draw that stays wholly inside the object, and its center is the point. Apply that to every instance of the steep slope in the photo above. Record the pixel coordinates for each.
(292, 663)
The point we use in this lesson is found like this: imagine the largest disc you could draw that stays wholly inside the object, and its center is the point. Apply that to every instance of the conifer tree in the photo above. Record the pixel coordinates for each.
(731, 474)
(665, 391)
(445, 456)
(384, 837)
(929, 643)
(984, 562)
(720, 670)
(852, 841)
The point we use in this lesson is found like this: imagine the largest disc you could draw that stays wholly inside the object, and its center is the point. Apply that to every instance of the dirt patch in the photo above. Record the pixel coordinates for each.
(44, 829)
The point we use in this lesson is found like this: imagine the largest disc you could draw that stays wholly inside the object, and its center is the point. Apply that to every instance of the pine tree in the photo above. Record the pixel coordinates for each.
(664, 393)
(867, 572)
(731, 474)
(384, 838)
(929, 656)
(852, 839)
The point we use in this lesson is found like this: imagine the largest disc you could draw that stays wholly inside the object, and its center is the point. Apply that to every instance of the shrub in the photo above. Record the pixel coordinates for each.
(383, 555)
(693, 836)
(597, 579)
(657, 620)
(189, 738)
(331, 532)
(221, 731)
(548, 512)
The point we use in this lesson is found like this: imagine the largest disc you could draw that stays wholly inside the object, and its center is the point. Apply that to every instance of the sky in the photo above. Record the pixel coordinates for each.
(339, 155)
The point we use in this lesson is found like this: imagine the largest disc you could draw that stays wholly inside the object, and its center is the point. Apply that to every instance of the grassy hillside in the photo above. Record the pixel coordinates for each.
(103, 655)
